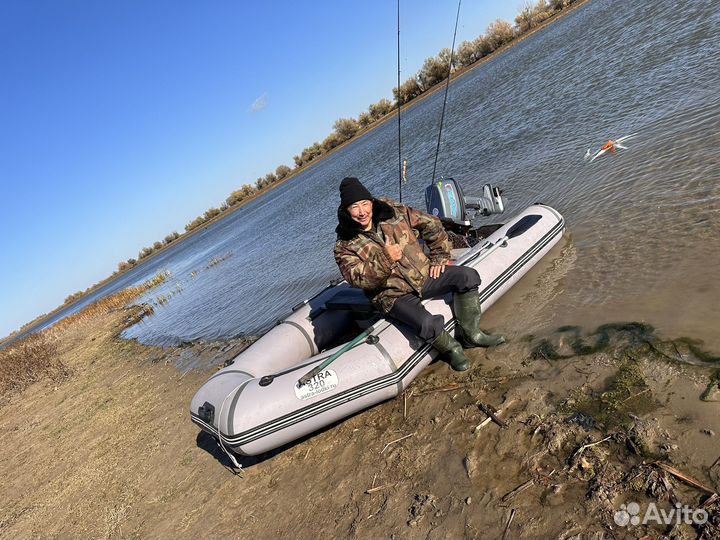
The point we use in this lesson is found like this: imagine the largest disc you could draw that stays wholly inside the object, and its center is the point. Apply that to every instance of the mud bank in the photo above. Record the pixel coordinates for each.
(586, 423)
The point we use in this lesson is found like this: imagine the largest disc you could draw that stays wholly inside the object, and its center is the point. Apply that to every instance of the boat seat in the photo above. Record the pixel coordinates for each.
(350, 299)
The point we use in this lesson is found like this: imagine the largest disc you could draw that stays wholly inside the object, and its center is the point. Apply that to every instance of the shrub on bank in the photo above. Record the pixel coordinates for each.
(282, 171)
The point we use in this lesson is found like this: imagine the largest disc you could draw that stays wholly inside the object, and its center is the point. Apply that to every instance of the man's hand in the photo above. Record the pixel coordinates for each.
(393, 251)
(436, 270)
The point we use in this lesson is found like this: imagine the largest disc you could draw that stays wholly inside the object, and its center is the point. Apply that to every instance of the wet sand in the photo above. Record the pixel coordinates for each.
(108, 450)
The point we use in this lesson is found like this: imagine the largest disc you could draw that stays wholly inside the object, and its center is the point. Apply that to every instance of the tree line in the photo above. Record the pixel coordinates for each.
(434, 71)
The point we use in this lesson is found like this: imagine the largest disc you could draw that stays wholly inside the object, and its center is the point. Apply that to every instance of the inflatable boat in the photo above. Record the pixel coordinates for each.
(257, 403)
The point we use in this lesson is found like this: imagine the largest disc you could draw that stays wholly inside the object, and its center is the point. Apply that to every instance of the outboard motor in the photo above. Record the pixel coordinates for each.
(445, 199)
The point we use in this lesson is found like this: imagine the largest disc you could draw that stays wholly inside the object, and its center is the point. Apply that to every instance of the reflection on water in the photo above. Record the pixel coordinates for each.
(643, 224)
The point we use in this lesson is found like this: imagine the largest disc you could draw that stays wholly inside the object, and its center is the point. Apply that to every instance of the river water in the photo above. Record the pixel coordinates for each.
(643, 225)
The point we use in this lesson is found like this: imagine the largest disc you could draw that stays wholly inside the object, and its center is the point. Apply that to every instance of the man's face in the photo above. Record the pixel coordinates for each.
(361, 212)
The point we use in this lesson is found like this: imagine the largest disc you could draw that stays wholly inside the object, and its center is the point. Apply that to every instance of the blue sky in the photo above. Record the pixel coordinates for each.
(122, 121)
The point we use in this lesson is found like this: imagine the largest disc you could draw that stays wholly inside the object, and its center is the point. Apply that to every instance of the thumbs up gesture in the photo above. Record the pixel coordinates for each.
(393, 250)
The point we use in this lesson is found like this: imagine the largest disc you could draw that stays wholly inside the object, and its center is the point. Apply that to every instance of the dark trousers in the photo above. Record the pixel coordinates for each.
(409, 309)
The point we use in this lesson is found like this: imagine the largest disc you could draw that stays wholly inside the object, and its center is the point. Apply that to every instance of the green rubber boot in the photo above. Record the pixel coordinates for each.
(447, 345)
(467, 312)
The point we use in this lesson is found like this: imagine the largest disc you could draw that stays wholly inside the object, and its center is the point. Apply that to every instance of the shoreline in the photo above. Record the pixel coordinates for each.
(590, 416)
(20, 334)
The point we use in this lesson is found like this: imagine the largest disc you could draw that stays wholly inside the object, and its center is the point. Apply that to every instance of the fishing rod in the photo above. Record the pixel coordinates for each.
(447, 86)
(400, 164)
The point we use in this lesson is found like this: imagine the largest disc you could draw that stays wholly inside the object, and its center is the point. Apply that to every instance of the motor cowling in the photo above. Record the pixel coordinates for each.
(446, 200)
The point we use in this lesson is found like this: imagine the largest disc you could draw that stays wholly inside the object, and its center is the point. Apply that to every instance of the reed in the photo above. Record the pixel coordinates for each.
(107, 304)
(35, 357)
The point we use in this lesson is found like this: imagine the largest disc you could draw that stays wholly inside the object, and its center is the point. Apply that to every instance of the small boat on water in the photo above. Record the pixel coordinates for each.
(256, 403)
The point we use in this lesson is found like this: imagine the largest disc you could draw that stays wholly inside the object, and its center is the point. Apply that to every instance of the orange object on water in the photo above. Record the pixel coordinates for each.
(610, 145)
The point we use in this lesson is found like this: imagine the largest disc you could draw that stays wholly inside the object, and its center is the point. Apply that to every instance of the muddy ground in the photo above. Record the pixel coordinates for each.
(105, 447)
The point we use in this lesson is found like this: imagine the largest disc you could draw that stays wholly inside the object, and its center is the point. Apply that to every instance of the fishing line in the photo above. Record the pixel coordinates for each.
(447, 86)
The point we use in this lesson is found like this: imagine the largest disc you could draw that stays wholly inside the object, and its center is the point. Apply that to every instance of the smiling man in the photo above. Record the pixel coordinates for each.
(377, 250)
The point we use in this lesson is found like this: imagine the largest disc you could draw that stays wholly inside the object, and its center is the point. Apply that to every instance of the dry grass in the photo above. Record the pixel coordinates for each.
(36, 357)
(110, 303)
(27, 361)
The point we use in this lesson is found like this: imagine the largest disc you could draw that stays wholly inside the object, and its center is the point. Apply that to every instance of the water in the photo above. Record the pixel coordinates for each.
(643, 225)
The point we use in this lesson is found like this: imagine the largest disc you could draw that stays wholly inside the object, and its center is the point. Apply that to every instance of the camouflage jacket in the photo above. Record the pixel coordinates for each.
(364, 263)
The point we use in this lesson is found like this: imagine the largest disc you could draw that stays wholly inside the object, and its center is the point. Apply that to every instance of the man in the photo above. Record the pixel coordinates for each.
(378, 251)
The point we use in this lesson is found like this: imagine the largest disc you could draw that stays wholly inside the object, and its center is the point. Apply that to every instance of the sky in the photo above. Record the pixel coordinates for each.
(120, 122)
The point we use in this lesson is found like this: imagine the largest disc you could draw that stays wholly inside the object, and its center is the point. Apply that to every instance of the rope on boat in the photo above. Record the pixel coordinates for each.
(219, 438)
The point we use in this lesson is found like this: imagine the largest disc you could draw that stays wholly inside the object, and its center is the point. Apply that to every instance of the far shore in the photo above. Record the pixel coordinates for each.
(390, 116)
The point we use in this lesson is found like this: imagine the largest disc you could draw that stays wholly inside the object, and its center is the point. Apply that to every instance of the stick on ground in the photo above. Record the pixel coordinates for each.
(585, 446)
(507, 525)
(490, 411)
(396, 440)
(373, 490)
(489, 418)
(668, 488)
(682, 476)
(518, 490)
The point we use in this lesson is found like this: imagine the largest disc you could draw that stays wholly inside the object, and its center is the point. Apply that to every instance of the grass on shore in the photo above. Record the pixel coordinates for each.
(35, 357)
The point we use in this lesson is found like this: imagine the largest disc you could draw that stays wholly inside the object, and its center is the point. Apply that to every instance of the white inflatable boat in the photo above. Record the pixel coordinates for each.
(256, 404)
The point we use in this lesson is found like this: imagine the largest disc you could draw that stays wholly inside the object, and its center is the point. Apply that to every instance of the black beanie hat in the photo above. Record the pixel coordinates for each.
(352, 191)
